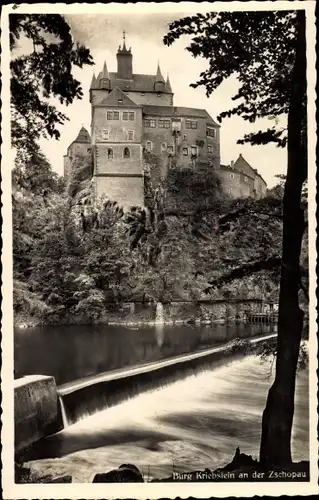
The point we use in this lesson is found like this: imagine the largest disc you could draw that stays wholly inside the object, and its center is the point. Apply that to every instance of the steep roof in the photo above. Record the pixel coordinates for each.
(114, 98)
(83, 136)
(178, 111)
(242, 164)
(138, 83)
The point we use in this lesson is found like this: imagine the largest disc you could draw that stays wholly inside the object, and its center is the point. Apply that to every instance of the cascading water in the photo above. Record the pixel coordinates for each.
(63, 413)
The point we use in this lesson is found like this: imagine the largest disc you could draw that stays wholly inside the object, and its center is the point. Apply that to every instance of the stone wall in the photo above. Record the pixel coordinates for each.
(36, 410)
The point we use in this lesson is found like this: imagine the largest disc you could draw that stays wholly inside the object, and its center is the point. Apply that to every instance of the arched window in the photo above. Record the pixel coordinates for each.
(110, 154)
(126, 153)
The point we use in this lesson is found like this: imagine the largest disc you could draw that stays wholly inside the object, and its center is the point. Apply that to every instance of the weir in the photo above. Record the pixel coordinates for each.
(87, 396)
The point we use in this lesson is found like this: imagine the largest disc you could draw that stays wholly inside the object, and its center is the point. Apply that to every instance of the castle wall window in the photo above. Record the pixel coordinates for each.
(142, 93)
(148, 146)
(116, 115)
(163, 146)
(176, 125)
(170, 149)
(109, 115)
(210, 149)
(164, 123)
(110, 154)
(185, 137)
(191, 124)
(152, 123)
(194, 150)
(232, 176)
(211, 132)
(126, 153)
(185, 151)
(147, 123)
(125, 116)
(105, 135)
(131, 116)
(131, 135)
(246, 179)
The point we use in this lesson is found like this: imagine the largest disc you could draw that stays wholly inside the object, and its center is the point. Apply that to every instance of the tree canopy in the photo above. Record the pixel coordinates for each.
(43, 74)
(259, 48)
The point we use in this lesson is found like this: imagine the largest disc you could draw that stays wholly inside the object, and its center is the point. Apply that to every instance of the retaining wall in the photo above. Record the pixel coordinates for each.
(36, 410)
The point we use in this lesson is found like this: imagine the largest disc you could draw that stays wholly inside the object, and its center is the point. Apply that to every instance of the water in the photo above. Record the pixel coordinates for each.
(63, 413)
(72, 352)
(191, 424)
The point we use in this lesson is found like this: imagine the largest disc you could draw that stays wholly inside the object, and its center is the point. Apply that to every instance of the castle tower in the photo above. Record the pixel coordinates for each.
(79, 147)
(124, 62)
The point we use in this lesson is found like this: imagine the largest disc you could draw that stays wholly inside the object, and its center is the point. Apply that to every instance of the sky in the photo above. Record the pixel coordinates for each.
(102, 34)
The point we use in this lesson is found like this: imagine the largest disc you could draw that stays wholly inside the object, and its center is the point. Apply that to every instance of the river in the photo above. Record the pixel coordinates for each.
(190, 424)
(73, 352)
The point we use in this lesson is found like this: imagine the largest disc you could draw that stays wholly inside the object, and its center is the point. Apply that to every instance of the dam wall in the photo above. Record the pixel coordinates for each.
(36, 410)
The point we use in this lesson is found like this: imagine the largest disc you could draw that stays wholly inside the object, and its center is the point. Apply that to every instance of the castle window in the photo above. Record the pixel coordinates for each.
(116, 115)
(148, 146)
(131, 135)
(163, 146)
(105, 135)
(152, 123)
(185, 137)
(246, 179)
(210, 149)
(125, 115)
(230, 191)
(126, 153)
(191, 124)
(147, 123)
(160, 123)
(109, 115)
(110, 154)
(194, 150)
(170, 149)
(185, 151)
(232, 176)
(131, 116)
(211, 132)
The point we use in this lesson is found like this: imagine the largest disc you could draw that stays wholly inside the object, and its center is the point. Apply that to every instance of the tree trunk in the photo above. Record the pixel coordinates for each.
(275, 448)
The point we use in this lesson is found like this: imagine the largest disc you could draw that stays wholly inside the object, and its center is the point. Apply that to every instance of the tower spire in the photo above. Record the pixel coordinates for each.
(159, 76)
(93, 82)
(168, 85)
(105, 73)
(124, 45)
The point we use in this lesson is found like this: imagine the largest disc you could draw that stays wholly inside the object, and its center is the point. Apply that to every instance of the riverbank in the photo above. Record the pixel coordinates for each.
(189, 425)
(200, 312)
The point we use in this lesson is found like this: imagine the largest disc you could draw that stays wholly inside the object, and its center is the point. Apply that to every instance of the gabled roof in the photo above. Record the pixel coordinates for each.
(242, 164)
(138, 83)
(178, 111)
(117, 98)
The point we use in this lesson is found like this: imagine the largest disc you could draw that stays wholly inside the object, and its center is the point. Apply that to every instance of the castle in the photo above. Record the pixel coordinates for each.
(134, 119)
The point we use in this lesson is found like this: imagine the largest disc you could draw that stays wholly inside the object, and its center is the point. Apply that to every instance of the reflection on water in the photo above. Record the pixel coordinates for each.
(72, 352)
(194, 423)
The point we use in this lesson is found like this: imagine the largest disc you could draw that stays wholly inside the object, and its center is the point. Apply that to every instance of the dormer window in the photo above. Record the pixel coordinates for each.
(159, 95)
(120, 101)
(142, 93)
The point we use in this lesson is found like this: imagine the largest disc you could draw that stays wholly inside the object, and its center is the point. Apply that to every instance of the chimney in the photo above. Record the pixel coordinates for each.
(232, 164)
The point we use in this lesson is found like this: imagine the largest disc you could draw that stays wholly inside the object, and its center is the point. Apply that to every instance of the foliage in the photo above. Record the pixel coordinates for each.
(259, 48)
(40, 75)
